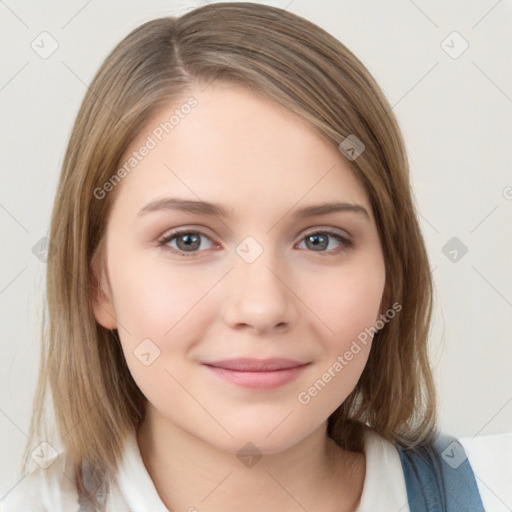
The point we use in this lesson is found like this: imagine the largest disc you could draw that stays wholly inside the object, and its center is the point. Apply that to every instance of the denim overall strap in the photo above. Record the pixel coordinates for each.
(84, 500)
(439, 478)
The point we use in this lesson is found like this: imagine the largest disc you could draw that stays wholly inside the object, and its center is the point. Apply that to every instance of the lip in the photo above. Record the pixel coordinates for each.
(257, 373)
(246, 364)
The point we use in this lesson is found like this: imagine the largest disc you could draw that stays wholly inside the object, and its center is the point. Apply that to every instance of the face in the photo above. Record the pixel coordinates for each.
(256, 273)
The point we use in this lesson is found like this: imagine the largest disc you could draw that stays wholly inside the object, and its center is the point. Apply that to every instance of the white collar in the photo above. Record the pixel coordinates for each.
(384, 482)
(383, 489)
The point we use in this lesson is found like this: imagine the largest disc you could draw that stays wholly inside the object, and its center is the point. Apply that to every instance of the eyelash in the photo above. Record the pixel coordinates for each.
(346, 244)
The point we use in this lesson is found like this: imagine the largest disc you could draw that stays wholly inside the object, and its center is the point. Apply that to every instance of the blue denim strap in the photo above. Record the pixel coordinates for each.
(84, 500)
(439, 478)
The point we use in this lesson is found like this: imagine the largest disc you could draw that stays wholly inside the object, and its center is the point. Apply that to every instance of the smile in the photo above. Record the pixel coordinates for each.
(253, 374)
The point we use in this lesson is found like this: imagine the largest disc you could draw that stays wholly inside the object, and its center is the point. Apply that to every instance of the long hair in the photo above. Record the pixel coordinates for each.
(297, 64)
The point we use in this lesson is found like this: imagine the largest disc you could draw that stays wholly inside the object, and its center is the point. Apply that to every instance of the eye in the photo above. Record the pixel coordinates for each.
(186, 242)
(319, 241)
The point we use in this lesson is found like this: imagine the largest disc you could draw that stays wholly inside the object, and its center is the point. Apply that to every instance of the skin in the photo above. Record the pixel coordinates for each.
(295, 301)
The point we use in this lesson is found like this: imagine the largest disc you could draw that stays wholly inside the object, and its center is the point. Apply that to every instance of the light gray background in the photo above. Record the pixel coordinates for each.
(456, 115)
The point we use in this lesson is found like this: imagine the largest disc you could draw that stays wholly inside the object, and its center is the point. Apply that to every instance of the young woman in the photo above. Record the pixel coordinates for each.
(238, 291)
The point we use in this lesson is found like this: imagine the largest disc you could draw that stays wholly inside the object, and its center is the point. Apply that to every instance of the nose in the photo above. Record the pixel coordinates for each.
(258, 297)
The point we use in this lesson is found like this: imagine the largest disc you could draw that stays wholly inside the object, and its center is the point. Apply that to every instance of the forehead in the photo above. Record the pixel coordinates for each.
(240, 149)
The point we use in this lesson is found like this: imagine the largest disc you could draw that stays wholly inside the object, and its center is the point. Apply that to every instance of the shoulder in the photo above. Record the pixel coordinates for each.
(44, 489)
(463, 473)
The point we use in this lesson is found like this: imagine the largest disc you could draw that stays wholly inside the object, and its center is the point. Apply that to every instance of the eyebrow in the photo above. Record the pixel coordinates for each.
(207, 208)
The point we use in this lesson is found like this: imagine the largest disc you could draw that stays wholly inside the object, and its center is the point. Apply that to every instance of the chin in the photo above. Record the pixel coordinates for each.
(259, 440)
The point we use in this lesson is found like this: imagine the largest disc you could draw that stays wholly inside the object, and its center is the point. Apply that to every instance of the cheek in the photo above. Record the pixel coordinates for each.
(153, 304)
(161, 311)
(350, 310)
(152, 298)
(355, 306)
(348, 301)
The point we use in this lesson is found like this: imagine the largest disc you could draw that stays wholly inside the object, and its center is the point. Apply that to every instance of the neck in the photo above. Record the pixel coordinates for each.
(192, 475)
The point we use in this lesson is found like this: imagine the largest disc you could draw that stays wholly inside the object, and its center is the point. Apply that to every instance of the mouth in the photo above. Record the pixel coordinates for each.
(256, 365)
(262, 374)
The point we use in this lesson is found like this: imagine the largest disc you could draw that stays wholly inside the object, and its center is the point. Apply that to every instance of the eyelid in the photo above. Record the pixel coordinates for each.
(327, 229)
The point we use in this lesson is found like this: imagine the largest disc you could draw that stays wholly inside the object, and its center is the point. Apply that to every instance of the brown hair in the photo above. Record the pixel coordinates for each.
(299, 65)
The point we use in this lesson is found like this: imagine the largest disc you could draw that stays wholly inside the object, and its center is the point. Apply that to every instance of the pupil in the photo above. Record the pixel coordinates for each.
(190, 241)
(316, 240)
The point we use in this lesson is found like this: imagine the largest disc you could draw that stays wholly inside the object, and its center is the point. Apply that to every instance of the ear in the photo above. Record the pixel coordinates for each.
(101, 296)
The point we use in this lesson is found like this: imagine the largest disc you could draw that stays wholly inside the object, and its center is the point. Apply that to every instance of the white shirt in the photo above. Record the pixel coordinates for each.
(52, 489)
